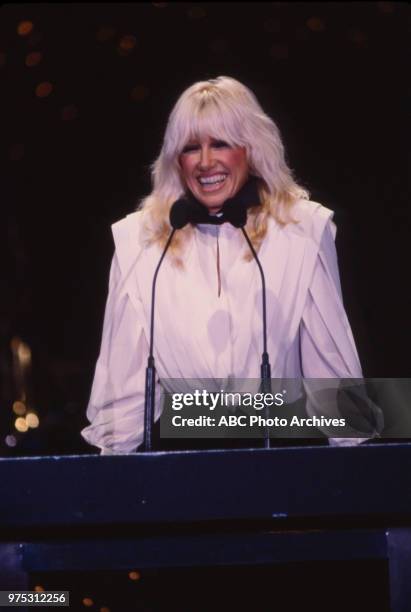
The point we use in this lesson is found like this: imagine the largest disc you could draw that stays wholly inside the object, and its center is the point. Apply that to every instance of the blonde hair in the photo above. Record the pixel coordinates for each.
(225, 109)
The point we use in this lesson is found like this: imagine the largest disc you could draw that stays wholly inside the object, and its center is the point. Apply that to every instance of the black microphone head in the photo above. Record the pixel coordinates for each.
(235, 208)
(235, 214)
(179, 213)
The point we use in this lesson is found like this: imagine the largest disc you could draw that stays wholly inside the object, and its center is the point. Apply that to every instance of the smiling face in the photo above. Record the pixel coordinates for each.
(213, 170)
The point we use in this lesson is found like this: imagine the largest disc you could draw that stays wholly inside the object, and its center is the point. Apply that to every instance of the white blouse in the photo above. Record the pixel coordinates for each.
(208, 322)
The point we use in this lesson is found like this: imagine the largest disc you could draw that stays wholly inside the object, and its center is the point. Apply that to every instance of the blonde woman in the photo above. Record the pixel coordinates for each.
(208, 301)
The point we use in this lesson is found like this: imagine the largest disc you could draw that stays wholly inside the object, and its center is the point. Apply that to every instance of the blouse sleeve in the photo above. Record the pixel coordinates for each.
(116, 406)
(327, 345)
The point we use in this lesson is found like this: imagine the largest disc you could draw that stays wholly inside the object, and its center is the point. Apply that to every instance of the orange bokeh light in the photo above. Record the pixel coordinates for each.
(19, 408)
(134, 575)
(44, 89)
(21, 425)
(127, 43)
(88, 602)
(316, 24)
(15, 343)
(33, 58)
(24, 28)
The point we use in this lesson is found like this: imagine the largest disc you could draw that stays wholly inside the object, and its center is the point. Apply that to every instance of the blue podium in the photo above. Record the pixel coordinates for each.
(208, 508)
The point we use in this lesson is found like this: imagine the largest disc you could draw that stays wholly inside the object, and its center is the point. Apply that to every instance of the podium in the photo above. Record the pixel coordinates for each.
(208, 508)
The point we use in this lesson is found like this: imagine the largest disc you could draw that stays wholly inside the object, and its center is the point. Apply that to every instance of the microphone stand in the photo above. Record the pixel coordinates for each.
(265, 369)
(149, 398)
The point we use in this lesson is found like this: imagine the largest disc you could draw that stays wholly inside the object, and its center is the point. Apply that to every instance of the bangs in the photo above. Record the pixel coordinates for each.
(210, 119)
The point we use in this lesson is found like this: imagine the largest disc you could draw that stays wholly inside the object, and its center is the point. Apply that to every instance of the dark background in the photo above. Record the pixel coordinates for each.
(332, 75)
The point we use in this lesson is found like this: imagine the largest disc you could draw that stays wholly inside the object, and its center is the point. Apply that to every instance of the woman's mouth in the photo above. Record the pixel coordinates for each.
(212, 183)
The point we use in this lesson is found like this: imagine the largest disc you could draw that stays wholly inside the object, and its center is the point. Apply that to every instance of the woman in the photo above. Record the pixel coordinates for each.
(208, 305)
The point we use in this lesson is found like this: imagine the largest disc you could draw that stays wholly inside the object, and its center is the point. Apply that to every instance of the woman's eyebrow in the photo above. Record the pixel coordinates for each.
(190, 144)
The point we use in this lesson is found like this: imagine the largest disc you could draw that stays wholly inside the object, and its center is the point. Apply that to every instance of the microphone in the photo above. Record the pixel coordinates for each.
(180, 213)
(265, 368)
(179, 217)
(149, 397)
(237, 210)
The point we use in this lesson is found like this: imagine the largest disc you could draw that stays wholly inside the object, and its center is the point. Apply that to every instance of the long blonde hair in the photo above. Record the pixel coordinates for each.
(225, 109)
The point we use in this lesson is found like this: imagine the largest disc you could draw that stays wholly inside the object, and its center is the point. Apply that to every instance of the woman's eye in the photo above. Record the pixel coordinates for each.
(219, 144)
(216, 144)
(189, 148)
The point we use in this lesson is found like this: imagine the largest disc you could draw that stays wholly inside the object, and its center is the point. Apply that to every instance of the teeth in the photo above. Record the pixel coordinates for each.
(207, 180)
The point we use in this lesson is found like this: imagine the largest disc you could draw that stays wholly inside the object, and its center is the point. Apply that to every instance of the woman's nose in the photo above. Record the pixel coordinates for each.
(206, 157)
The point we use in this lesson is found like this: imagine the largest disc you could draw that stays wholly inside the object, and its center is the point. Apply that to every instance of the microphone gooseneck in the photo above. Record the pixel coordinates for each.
(263, 283)
(265, 370)
(149, 397)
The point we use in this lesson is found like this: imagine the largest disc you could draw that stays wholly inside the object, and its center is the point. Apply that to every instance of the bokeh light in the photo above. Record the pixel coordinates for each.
(88, 602)
(15, 343)
(24, 28)
(134, 575)
(10, 441)
(32, 420)
(127, 43)
(24, 353)
(21, 425)
(44, 89)
(38, 588)
(316, 24)
(19, 408)
(33, 58)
